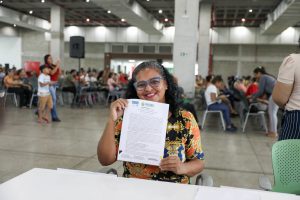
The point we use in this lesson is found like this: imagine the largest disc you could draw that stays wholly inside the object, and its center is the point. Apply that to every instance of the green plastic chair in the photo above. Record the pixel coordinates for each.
(286, 166)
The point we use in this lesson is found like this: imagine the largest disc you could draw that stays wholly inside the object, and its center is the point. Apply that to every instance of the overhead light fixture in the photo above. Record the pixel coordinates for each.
(131, 61)
(243, 19)
(15, 25)
(250, 10)
(148, 0)
(166, 19)
(30, 12)
(87, 19)
(123, 20)
(87, 1)
(108, 11)
(160, 11)
(1, 1)
(42, 1)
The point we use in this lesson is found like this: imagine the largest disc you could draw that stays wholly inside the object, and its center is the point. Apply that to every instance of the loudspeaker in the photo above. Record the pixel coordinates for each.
(77, 47)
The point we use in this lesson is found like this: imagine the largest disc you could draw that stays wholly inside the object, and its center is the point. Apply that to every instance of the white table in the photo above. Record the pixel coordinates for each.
(45, 184)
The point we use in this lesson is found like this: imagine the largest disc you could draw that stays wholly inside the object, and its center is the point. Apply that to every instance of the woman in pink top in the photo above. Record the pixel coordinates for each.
(111, 82)
(286, 94)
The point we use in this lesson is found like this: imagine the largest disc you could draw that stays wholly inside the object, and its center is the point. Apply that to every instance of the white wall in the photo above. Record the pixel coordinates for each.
(10, 51)
(244, 35)
(226, 58)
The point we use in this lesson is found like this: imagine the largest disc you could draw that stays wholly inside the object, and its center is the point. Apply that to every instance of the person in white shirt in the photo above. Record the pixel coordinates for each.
(45, 100)
(214, 101)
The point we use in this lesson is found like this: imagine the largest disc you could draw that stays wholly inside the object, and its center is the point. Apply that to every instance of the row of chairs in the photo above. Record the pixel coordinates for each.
(244, 118)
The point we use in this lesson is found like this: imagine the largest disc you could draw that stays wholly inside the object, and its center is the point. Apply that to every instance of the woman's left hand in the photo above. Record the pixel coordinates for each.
(173, 164)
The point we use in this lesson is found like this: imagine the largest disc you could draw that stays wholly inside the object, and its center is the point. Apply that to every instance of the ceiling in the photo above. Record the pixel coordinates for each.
(225, 13)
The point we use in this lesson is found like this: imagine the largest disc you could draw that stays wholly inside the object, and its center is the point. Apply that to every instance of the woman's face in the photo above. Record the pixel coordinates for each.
(154, 86)
(257, 75)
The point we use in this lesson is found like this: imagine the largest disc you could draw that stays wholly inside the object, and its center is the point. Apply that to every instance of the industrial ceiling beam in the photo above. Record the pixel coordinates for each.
(10, 16)
(133, 13)
(285, 15)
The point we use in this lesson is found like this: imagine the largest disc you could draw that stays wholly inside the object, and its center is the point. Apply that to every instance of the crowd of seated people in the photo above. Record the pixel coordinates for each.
(24, 84)
(17, 82)
(240, 93)
(93, 82)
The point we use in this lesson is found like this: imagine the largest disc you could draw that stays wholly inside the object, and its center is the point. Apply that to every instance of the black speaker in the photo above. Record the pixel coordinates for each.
(77, 47)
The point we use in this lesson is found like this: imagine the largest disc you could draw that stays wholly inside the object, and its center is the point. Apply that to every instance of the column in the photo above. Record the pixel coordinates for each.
(185, 43)
(204, 39)
(57, 43)
(239, 62)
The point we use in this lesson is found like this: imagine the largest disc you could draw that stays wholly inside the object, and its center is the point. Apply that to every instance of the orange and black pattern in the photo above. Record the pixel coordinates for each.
(182, 139)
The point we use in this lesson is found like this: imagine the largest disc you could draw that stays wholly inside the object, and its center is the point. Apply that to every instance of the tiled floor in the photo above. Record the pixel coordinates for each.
(231, 159)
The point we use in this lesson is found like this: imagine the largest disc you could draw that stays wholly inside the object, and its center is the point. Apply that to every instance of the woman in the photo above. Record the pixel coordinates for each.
(286, 94)
(54, 72)
(266, 85)
(183, 155)
(17, 86)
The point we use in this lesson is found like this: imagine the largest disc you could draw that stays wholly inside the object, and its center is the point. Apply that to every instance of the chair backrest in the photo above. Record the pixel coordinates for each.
(286, 166)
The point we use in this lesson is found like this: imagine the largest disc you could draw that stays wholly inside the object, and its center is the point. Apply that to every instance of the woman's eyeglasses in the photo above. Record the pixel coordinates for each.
(153, 82)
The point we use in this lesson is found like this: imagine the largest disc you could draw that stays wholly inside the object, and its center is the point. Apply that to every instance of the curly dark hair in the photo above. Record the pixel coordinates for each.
(171, 92)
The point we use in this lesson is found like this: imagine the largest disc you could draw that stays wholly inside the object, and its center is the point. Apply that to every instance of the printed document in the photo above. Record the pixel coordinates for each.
(143, 132)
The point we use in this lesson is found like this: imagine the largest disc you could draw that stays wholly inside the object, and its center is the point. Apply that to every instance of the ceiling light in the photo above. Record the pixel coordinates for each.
(148, 0)
(160, 11)
(250, 10)
(42, 1)
(108, 11)
(166, 19)
(123, 20)
(243, 19)
(1, 1)
(87, 19)
(15, 25)
(30, 12)
(87, 1)
(131, 61)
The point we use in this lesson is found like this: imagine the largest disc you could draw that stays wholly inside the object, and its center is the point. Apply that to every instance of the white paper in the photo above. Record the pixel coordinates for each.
(209, 193)
(143, 132)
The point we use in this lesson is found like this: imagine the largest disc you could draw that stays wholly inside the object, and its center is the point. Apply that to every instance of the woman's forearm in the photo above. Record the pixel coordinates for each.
(106, 147)
(193, 167)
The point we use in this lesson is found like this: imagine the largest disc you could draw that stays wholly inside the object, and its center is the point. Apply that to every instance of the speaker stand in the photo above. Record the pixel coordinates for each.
(78, 64)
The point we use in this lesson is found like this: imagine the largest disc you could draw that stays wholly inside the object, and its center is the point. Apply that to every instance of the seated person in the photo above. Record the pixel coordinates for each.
(2, 73)
(252, 88)
(24, 78)
(69, 84)
(228, 98)
(112, 82)
(214, 101)
(183, 154)
(239, 85)
(16, 86)
(123, 79)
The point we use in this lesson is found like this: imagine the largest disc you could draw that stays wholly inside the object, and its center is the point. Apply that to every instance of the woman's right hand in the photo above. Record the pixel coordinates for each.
(117, 108)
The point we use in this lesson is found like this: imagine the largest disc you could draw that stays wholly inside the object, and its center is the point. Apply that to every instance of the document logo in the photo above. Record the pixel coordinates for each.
(135, 103)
